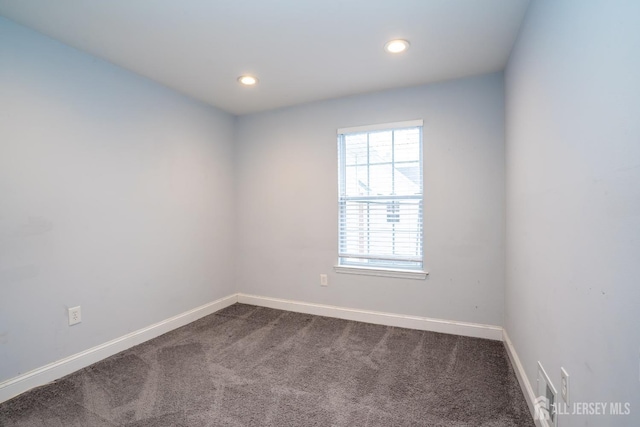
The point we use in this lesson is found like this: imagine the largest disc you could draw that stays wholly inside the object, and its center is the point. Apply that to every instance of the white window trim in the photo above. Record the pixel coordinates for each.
(381, 272)
(372, 271)
(382, 126)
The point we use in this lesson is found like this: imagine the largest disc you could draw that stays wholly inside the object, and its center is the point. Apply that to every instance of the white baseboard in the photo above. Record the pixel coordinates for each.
(379, 318)
(62, 367)
(525, 385)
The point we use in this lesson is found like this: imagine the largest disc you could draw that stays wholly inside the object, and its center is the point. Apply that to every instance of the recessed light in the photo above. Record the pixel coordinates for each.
(396, 46)
(247, 80)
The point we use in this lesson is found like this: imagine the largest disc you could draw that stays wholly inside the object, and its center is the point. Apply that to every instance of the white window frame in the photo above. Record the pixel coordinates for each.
(409, 273)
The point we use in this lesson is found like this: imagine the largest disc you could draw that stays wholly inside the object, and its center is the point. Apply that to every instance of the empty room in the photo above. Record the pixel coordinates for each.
(320, 213)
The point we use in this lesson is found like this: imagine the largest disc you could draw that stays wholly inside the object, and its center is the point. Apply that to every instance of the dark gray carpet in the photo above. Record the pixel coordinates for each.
(250, 366)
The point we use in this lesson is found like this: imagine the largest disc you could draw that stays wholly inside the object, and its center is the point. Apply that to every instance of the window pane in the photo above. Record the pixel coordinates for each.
(381, 179)
(407, 145)
(356, 149)
(356, 183)
(354, 237)
(380, 147)
(407, 179)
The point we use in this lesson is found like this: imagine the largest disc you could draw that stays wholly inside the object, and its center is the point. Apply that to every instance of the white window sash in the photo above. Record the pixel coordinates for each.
(387, 261)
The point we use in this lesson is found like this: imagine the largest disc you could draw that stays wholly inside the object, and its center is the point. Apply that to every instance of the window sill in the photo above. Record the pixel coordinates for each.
(387, 272)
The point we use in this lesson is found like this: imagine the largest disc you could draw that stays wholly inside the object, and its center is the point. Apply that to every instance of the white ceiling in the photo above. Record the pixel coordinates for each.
(301, 50)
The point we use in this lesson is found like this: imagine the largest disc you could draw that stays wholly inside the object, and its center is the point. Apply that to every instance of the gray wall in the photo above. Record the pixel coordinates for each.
(286, 187)
(573, 200)
(115, 194)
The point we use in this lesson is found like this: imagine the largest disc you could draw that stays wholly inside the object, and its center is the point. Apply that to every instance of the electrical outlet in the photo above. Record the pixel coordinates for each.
(564, 386)
(75, 316)
(323, 280)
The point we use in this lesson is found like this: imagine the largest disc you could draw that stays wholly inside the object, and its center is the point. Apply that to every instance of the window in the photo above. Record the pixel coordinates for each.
(380, 196)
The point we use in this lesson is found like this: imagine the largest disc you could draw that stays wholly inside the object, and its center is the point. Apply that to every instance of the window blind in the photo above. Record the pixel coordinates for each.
(381, 196)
